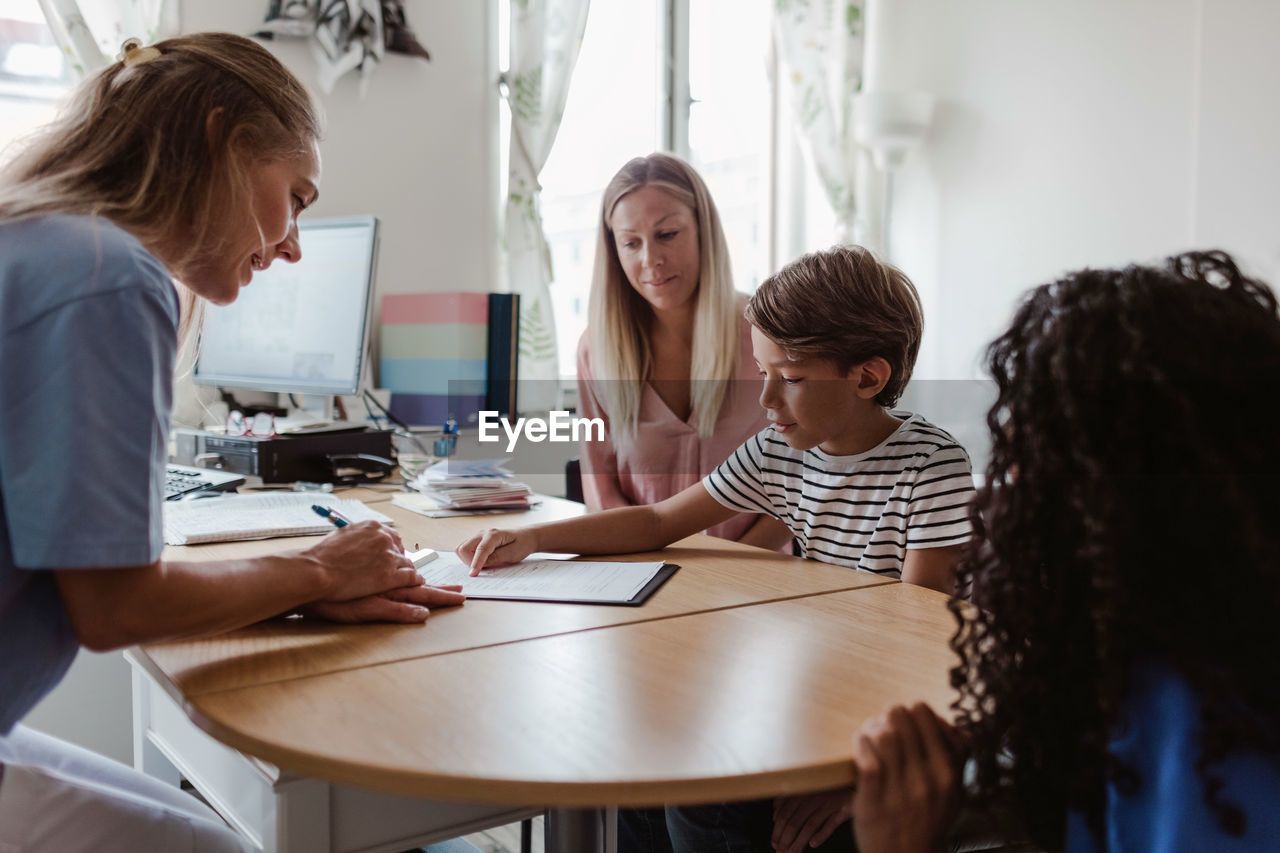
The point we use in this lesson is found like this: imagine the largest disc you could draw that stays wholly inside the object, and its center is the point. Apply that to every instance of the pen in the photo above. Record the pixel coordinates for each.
(335, 517)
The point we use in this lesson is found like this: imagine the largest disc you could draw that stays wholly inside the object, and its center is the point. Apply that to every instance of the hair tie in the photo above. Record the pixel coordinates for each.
(133, 53)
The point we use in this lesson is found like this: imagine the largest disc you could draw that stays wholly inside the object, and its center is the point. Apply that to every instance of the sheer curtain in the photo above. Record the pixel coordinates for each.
(545, 38)
(90, 32)
(821, 42)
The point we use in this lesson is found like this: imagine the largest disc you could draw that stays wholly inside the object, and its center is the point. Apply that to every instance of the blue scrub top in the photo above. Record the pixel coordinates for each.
(88, 336)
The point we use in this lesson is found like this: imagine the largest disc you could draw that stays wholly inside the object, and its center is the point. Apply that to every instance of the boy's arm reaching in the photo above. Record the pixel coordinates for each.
(767, 532)
(615, 531)
(932, 567)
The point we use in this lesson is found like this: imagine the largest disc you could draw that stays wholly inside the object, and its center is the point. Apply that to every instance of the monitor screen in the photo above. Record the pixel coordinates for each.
(298, 328)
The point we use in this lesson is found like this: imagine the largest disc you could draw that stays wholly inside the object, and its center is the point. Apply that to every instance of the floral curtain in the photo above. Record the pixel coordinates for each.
(90, 32)
(545, 37)
(821, 42)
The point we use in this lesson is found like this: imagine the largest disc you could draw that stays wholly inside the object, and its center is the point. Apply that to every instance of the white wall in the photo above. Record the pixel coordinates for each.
(1092, 133)
(1236, 190)
(91, 706)
(420, 151)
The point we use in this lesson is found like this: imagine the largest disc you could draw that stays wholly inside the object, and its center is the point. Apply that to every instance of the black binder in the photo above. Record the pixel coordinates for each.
(502, 369)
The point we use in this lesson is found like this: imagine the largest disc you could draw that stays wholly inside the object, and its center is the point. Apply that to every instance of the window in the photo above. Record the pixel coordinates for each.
(731, 123)
(611, 116)
(697, 78)
(34, 74)
(618, 109)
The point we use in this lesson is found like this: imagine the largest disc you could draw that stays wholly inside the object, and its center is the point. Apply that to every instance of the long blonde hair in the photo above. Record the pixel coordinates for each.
(158, 147)
(619, 318)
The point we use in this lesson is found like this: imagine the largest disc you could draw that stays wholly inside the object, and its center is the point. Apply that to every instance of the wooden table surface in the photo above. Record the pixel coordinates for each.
(714, 574)
(744, 676)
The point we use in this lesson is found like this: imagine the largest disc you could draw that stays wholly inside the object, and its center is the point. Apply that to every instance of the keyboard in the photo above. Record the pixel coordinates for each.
(182, 480)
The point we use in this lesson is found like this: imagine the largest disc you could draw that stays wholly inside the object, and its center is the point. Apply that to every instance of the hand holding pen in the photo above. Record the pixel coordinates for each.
(378, 547)
(337, 519)
(361, 558)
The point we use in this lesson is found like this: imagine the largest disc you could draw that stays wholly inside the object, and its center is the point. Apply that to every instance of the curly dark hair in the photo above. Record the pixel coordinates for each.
(1131, 512)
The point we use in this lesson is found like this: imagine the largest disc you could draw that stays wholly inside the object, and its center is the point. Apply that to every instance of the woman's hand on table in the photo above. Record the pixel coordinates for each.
(494, 547)
(409, 604)
(908, 789)
(363, 559)
(808, 819)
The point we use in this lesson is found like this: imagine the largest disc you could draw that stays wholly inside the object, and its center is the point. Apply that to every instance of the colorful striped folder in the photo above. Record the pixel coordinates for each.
(435, 355)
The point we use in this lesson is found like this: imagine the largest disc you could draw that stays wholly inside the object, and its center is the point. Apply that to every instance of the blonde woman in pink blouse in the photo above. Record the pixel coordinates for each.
(666, 359)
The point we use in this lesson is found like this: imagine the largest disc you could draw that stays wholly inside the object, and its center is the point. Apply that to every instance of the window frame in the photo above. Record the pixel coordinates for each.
(786, 172)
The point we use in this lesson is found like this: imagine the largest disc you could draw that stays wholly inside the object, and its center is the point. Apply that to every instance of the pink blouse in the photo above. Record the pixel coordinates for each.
(667, 456)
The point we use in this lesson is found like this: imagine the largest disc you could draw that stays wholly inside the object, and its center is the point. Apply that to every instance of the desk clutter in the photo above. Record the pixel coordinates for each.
(263, 516)
(456, 487)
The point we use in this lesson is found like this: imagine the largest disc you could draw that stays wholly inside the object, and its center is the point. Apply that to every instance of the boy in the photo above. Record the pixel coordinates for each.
(835, 335)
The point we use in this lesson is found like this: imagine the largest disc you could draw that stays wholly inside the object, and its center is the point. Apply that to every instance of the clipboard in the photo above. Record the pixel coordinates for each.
(595, 582)
(659, 578)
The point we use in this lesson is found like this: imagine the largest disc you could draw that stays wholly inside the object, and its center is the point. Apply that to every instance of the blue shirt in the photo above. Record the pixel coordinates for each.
(88, 335)
(1167, 814)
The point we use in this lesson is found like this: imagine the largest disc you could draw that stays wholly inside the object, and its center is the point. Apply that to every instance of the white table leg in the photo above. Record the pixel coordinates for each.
(146, 757)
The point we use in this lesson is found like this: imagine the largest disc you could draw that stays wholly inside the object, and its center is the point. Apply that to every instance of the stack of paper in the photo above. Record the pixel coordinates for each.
(423, 505)
(458, 485)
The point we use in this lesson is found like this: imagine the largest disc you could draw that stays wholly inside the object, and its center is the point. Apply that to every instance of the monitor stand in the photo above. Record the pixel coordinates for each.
(314, 414)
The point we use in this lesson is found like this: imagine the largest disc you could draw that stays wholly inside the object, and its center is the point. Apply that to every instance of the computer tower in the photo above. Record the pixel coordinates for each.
(325, 457)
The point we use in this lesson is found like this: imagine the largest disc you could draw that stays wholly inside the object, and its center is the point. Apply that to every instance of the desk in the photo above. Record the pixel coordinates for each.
(745, 675)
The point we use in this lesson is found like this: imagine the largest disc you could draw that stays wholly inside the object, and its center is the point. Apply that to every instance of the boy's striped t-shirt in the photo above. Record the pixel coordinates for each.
(910, 491)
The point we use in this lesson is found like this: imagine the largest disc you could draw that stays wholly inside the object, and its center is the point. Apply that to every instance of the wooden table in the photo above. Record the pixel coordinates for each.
(744, 676)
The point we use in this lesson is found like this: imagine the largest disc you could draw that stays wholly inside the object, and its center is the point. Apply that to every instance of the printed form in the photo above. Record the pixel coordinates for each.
(545, 580)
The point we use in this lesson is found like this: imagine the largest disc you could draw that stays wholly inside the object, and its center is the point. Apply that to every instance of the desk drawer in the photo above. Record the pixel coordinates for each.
(280, 812)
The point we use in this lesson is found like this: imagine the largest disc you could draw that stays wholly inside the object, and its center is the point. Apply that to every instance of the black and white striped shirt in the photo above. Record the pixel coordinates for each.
(910, 491)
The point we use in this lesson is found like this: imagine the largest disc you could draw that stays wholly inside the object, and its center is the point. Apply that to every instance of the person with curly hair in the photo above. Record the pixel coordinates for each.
(1118, 685)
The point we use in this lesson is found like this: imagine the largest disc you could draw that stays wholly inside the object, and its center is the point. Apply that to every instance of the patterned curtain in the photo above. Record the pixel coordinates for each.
(90, 32)
(545, 37)
(821, 42)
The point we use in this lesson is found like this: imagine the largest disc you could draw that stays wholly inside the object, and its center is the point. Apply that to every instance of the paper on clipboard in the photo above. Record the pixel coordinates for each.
(595, 582)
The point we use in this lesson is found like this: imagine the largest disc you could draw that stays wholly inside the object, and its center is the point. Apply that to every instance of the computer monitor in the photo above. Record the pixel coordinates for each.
(299, 328)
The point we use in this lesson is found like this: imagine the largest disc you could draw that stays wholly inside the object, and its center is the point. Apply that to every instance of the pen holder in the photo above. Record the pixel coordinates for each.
(444, 446)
